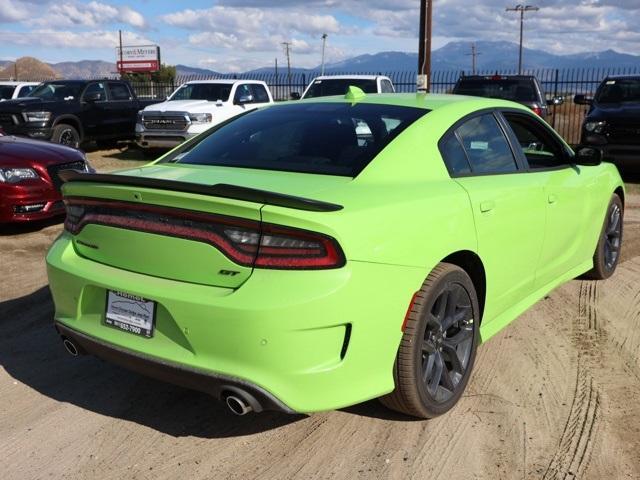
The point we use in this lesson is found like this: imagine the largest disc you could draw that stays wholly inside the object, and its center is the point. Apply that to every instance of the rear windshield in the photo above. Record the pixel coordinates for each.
(327, 88)
(6, 91)
(514, 90)
(203, 91)
(323, 138)
(619, 91)
(58, 91)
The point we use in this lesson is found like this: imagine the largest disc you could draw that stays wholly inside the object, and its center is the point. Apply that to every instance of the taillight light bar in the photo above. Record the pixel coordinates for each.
(246, 242)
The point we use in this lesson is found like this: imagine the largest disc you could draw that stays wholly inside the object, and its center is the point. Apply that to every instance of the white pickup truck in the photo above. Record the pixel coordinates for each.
(339, 84)
(194, 108)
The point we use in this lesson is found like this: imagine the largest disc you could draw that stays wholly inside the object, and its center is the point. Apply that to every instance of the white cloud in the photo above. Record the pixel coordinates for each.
(91, 15)
(71, 40)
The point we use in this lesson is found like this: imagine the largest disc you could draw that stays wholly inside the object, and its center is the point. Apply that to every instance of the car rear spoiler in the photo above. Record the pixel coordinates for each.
(219, 190)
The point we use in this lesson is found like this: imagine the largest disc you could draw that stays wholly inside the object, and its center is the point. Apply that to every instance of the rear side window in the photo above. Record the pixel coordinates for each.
(486, 146)
(259, 94)
(26, 90)
(119, 91)
(454, 155)
(324, 138)
(97, 88)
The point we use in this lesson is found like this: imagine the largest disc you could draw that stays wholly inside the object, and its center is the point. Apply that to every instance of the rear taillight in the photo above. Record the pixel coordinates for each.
(537, 111)
(245, 242)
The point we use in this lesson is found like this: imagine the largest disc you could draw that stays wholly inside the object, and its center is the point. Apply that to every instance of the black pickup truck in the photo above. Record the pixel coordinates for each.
(71, 112)
(613, 120)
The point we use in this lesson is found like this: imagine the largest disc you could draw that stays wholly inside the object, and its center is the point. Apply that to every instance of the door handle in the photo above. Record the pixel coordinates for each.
(486, 207)
(552, 199)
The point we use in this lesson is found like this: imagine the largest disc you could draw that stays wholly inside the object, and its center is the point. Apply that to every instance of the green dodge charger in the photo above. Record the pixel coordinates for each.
(314, 255)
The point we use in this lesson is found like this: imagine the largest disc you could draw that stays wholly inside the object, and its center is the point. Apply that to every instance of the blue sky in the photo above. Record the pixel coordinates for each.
(238, 35)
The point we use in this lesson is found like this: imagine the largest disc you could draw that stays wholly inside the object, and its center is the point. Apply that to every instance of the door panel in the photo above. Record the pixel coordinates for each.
(509, 212)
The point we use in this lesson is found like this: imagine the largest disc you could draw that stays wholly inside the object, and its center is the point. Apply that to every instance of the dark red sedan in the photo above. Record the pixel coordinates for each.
(29, 182)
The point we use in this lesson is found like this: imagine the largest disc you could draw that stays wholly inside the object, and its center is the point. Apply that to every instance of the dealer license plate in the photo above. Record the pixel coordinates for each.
(130, 313)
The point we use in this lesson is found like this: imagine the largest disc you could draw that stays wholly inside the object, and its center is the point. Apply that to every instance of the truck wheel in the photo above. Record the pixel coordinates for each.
(438, 348)
(66, 135)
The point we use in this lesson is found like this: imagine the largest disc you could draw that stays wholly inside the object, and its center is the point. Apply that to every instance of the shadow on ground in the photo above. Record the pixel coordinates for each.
(11, 229)
(32, 353)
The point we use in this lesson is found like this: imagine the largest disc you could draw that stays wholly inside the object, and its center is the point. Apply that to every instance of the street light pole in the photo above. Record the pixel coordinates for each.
(522, 9)
(324, 45)
(424, 46)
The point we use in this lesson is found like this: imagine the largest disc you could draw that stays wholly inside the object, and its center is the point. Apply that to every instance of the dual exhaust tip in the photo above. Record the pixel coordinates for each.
(234, 401)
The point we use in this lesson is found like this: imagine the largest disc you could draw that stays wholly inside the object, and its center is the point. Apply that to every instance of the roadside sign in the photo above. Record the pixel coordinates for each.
(141, 58)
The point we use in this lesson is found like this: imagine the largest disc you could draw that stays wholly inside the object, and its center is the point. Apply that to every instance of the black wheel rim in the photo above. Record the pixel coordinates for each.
(613, 237)
(68, 138)
(447, 343)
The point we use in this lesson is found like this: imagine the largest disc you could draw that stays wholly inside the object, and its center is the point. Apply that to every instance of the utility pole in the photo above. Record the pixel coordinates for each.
(522, 9)
(287, 49)
(120, 68)
(474, 57)
(424, 46)
(324, 46)
(15, 69)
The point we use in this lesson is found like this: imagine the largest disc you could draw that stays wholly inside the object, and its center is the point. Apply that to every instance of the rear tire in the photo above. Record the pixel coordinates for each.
(438, 348)
(607, 254)
(66, 135)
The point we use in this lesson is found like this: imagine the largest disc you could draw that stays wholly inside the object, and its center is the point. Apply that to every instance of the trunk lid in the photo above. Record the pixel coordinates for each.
(172, 234)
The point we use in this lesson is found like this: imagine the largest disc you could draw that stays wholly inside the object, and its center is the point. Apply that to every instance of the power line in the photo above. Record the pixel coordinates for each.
(522, 9)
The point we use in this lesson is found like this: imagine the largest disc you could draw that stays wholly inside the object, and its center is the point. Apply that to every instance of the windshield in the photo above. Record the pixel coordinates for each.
(324, 138)
(6, 91)
(326, 88)
(58, 91)
(619, 91)
(514, 90)
(203, 91)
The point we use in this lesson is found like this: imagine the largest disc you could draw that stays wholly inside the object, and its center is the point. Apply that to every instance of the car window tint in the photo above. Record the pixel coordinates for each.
(486, 146)
(259, 94)
(96, 88)
(6, 92)
(387, 87)
(324, 138)
(243, 90)
(119, 91)
(537, 144)
(26, 90)
(454, 155)
(330, 87)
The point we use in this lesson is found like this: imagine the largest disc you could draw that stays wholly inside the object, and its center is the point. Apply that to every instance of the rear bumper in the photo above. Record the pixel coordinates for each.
(214, 384)
(314, 340)
(29, 203)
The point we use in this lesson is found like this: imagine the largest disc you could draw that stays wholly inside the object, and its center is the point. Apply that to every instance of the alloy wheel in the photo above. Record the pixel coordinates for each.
(613, 237)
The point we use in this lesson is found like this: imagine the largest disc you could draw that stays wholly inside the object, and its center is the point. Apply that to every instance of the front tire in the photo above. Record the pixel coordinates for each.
(607, 254)
(66, 135)
(438, 348)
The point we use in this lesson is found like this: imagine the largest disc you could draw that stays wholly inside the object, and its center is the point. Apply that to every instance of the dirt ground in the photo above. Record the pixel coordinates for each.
(554, 396)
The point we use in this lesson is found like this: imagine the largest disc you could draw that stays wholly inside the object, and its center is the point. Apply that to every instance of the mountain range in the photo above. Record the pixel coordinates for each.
(455, 56)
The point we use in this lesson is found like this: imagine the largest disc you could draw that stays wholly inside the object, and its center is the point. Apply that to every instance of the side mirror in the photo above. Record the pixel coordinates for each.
(557, 101)
(295, 96)
(582, 100)
(92, 97)
(588, 156)
(245, 99)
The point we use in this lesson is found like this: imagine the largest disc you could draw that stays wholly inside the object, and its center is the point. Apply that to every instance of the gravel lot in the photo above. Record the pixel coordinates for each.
(554, 396)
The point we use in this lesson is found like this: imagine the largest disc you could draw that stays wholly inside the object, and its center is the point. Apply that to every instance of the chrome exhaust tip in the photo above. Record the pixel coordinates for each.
(238, 405)
(71, 347)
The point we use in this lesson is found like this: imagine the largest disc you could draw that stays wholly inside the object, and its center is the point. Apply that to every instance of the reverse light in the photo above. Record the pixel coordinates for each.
(16, 175)
(246, 242)
(595, 127)
(36, 117)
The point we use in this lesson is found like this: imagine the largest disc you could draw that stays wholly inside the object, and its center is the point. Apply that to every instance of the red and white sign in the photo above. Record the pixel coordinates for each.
(143, 58)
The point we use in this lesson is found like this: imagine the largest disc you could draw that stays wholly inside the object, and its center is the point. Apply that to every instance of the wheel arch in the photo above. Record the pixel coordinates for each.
(620, 192)
(471, 263)
(72, 121)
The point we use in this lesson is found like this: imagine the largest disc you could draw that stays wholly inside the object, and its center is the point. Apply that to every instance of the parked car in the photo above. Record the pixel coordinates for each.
(613, 120)
(195, 107)
(524, 89)
(339, 84)
(29, 178)
(71, 112)
(279, 263)
(12, 90)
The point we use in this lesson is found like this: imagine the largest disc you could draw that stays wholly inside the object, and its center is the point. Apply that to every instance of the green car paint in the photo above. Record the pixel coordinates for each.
(286, 331)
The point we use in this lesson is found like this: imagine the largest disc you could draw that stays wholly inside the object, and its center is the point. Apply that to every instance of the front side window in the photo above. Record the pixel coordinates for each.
(96, 88)
(243, 91)
(56, 91)
(323, 138)
(537, 143)
(211, 92)
(26, 90)
(259, 94)
(486, 146)
(6, 92)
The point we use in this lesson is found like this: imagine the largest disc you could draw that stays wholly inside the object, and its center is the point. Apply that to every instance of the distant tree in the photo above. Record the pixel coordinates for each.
(166, 74)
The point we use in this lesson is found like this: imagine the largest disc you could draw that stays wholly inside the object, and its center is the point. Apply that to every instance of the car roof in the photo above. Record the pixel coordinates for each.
(222, 81)
(349, 77)
(497, 75)
(623, 77)
(12, 82)
(430, 101)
